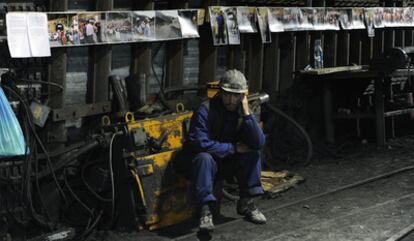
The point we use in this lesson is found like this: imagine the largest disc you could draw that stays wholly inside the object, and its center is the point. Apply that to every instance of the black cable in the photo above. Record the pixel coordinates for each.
(42, 202)
(39, 141)
(43, 82)
(90, 189)
(83, 205)
(90, 226)
(112, 176)
(289, 119)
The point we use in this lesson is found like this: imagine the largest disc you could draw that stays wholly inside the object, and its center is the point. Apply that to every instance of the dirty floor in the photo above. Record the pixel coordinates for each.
(373, 211)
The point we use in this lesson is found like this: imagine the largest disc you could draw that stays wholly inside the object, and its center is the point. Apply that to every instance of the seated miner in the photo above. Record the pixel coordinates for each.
(224, 136)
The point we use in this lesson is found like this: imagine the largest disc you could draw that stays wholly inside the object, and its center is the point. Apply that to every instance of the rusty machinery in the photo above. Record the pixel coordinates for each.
(150, 193)
(119, 177)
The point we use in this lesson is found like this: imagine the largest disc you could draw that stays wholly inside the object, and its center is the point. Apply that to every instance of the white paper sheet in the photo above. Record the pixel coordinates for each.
(17, 36)
(38, 34)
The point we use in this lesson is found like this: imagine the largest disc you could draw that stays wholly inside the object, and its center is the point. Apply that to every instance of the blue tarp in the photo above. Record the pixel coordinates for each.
(12, 142)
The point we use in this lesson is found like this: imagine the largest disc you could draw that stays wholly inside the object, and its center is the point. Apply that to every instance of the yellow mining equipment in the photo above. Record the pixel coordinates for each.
(166, 196)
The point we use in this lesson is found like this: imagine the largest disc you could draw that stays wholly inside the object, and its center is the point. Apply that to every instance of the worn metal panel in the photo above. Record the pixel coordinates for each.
(271, 67)
(208, 55)
(100, 58)
(330, 48)
(302, 50)
(355, 47)
(287, 58)
(78, 111)
(175, 53)
(343, 57)
(254, 70)
(141, 54)
(57, 133)
(175, 59)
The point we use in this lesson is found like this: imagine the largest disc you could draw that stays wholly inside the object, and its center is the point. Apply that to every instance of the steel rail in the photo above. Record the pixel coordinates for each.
(402, 233)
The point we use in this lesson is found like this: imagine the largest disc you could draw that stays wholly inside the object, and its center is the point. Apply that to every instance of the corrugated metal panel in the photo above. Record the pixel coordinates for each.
(191, 62)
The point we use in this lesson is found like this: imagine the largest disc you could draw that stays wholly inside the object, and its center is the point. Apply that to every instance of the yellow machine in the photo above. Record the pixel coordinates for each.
(166, 195)
(150, 193)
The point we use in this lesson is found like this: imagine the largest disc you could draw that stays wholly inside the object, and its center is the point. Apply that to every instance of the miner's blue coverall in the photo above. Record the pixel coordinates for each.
(214, 132)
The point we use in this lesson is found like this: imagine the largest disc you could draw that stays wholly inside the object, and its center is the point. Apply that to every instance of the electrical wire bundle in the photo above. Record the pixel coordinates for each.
(29, 174)
(22, 196)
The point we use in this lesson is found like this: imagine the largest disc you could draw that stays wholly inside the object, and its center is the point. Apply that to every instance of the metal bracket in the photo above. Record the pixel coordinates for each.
(79, 111)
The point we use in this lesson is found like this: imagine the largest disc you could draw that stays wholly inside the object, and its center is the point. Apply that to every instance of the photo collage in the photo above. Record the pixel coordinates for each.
(228, 22)
(91, 28)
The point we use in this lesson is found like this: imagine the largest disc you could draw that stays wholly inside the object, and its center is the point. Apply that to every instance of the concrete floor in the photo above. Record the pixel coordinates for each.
(373, 211)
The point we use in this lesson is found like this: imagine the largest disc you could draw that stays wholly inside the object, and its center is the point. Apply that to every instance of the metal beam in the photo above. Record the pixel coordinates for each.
(175, 53)
(254, 70)
(271, 67)
(141, 54)
(57, 74)
(208, 53)
(100, 58)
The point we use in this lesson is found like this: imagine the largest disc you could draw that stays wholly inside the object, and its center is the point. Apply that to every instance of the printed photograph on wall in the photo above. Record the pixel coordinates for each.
(388, 17)
(263, 21)
(307, 18)
(201, 15)
(378, 14)
(275, 19)
(167, 25)
(143, 25)
(345, 18)
(407, 17)
(118, 27)
(369, 21)
(232, 26)
(246, 19)
(57, 27)
(89, 27)
(358, 18)
(398, 16)
(331, 19)
(292, 19)
(319, 19)
(188, 23)
(218, 25)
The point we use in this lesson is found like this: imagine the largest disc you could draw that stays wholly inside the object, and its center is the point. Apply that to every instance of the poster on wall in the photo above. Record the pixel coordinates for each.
(246, 19)
(378, 16)
(388, 17)
(274, 17)
(218, 26)
(319, 19)
(292, 19)
(232, 26)
(358, 18)
(407, 17)
(345, 18)
(262, 20)
(57, 27)
(118, 27)
(188, 23)
(143, 25)
(331, 19)
(369, 22)
(307, 18)
(398, 17)
(89, 26)
(167, 25)
(201, 15)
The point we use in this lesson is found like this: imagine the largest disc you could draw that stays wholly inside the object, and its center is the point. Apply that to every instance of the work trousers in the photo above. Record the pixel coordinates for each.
(205, 168)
